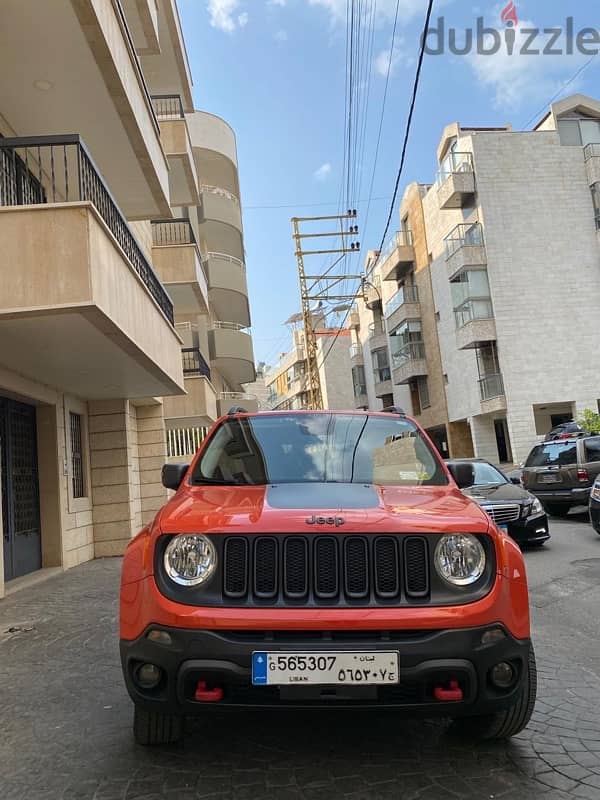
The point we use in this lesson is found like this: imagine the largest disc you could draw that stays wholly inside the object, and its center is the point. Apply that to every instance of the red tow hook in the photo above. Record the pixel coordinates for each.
(451, 695)
(204, 695)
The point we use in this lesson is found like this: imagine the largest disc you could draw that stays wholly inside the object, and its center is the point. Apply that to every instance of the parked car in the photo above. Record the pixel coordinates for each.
(513, 509)
(561, 473)
(324, 559)
(566, 430)
(595, 505)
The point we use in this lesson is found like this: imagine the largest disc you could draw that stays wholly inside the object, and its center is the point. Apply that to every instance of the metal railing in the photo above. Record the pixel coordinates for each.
(231, 326)
(491, 386)
(218, 190)
(225, 257)
(453, 163)
(399, 239)
(59, 169)
(406, 294)
(591, 151)
(167, 106)
(184, 441)
(464, 235)
(166, 233)
(382, 374)
(194, 362)
(413, 351)
(376, 329)
(356, 351)
(237, 396)
(473, 309)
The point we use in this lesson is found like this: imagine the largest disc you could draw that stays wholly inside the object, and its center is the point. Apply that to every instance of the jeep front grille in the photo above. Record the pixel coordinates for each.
(320, 570)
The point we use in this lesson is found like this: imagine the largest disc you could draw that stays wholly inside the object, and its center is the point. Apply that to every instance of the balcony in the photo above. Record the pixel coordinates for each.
(84, 312)
(475, 333)
(356, 355)
(232, 354)
(229, 400)
(213, 142)
(402, 306)
(378, 337)
(382, 378)
(398, 257)
(221, 219)
(456, 181)
(175, 139)
(197, 408)
(373, 292)
(78, 71)
(178, 262)
(465, 248)
(409, 362)
(227, 288)
(591, 154)
(354, 320)
(491, 392)
(361, 398)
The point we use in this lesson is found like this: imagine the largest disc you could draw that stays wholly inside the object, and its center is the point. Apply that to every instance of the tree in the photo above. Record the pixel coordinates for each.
(590, 421)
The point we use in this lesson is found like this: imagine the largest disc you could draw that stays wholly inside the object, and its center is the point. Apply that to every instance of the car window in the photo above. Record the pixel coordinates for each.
(304, 448)
(485, 474)
(553, 454)
(592, 449)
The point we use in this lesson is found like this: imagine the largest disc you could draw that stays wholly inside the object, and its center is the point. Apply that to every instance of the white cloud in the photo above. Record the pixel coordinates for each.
(323, 172)
(280, 36)
(397, 57)
(281, 3)
(386, 9)
(222, 15)
(519, 80)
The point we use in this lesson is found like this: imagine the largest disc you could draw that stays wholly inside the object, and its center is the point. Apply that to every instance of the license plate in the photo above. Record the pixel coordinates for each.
(350, 669)
(550, 479)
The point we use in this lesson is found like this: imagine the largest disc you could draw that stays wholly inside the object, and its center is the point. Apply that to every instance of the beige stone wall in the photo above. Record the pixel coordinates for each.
(152, 452)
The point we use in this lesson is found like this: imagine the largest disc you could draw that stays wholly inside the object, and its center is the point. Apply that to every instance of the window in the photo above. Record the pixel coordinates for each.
(358, 380)
(553, 455)
(579, 131)
(423, 389)
(485, 474)
(596, 202)
(471, 297)
(381, 365)
(77, 455)
(592, 449)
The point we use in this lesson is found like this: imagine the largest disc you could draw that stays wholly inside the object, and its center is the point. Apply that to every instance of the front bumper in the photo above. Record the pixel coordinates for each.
(533, 530)
(428, 659)
(595, 515)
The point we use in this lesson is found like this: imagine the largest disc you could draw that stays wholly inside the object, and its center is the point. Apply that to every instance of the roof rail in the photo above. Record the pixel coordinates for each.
(394, 410)
(237, 410)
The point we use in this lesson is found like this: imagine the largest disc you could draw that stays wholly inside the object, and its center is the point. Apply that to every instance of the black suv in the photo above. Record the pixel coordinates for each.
(561, 473)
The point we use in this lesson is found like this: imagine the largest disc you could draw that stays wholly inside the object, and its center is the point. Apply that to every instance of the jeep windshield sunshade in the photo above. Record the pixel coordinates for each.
(323, 448)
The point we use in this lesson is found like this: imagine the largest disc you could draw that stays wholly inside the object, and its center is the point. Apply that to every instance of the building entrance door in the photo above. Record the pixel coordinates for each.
(503, 441)
(21, 532)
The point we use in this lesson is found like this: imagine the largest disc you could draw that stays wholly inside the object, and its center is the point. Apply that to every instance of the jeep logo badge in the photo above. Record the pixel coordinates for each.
(337, 521)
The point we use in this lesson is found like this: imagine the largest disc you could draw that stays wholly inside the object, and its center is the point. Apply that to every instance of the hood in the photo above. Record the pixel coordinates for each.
(319, 507)
(504, 493)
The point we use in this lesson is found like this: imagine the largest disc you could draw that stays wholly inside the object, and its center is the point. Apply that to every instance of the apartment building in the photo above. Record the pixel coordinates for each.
(286, 383)
(487, 322)
(122, 269)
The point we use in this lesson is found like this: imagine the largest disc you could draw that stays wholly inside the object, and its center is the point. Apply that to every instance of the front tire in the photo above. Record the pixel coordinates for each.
(558, 509)
(504, 724)
(154, 727)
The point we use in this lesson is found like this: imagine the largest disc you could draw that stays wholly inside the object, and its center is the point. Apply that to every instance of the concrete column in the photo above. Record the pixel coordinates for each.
(152, 449)
(112, 452)
(521, 427)
(484, 438)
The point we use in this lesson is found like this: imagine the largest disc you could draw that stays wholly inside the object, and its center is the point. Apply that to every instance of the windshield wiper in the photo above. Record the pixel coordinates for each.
(218, 482)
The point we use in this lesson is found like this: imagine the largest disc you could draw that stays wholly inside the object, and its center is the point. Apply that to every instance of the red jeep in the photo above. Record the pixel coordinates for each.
(324, 559)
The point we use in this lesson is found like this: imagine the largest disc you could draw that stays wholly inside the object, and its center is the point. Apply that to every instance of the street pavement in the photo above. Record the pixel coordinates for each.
(65, 718)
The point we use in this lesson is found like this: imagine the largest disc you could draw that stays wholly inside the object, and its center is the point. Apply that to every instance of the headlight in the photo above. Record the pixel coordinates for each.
(596, 490)
(459, 559)
(190, 559)
(536, 508)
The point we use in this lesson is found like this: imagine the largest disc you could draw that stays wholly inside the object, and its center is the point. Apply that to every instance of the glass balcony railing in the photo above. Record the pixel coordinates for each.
(399, 239)
(356, 351)
(413, 351)
(491, 386)
(464, 235)
(473, 310)
(406, 294)
(453, 163)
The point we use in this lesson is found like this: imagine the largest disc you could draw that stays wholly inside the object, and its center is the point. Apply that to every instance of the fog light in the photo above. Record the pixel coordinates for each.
(503, 675)
(147, 676)
(160, 637)
(493, 636)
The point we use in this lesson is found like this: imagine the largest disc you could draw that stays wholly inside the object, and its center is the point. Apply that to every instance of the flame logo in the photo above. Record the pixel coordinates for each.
(509, 15)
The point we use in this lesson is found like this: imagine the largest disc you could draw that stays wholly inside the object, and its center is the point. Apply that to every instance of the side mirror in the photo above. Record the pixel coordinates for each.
(463, 474)
(173, 474)
(516, 481)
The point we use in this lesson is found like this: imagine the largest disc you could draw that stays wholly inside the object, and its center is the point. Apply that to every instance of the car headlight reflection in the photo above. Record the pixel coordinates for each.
(536, 508)
(190, 559)
(459, 559)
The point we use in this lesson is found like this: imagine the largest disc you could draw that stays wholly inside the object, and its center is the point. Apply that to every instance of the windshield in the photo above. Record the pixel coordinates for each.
(553, 454)
(486, 475)
(306, 448)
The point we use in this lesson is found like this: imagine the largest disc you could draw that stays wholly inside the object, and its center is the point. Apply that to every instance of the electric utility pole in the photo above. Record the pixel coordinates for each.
(311, 294)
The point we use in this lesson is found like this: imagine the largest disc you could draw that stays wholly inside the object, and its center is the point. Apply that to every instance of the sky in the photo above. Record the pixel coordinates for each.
(276, 71)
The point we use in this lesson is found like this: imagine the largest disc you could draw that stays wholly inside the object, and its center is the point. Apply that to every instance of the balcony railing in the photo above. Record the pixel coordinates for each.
(376, 329)
(237, 396)
(166, 233)
(167, 106)
(480, 308)
(184, 441)
(464, 235)
(591, 151)
(406, 294)
(194, 362)
(356, 351)
(413, 351)
(218, 190)
(453, 163)
(232, 259)
(491, 386)
(399, 239)
(230, 326)
(59, 169)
